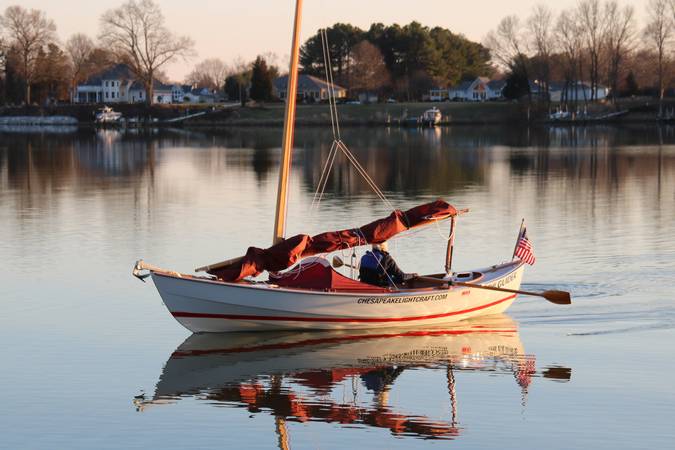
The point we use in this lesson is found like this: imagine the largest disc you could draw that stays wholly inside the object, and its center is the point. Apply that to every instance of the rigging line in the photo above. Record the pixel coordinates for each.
(335, 125)
(326, 57)
(321, 185)
(440, 233)
(352, 158)
(325, 181)
(358, 165)
(361, 172)
(324, 173)
(370, 183)
(331, 86)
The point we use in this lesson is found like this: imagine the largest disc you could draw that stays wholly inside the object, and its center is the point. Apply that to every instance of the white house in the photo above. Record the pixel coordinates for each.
(495, 89)
(188, 94)
(309, 88)
(477, 90)
(178, 92)
(118, 84)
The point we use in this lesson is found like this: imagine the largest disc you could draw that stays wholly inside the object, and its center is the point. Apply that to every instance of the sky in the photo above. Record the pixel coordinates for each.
(229, 29)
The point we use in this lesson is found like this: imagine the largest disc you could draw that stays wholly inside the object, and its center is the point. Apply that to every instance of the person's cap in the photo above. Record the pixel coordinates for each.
(381, 246)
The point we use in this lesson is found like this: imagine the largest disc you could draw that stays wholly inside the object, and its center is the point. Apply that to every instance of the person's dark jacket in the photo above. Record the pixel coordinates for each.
(379, 268)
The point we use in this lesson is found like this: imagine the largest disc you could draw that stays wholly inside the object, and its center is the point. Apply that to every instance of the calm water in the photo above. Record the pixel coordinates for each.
(91, 358)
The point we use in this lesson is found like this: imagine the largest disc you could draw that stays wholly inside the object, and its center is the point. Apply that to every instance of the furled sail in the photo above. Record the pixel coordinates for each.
(288, 252)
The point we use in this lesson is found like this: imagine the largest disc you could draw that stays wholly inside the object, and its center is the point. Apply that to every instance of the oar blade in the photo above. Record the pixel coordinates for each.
(558, 297)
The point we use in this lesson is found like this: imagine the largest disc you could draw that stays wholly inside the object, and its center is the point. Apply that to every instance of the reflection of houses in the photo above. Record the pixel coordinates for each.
(309, 88)
(118, 84)
(477, 90)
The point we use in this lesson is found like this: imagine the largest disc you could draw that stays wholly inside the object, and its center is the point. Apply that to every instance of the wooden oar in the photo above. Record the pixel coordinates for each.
(557, 297)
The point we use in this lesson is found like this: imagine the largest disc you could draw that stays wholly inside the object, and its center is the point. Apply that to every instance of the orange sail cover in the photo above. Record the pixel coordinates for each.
(288, 252)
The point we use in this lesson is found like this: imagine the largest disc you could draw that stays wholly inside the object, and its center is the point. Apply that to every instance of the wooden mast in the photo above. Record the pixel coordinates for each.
(289, 124)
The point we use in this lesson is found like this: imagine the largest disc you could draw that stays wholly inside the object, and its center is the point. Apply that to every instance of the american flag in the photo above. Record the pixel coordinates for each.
(524, 249)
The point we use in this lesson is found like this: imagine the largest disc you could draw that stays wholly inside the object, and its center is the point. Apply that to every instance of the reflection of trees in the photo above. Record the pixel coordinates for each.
(593, 156)
(399, 160)
(404, 161)
(114, 153)
(35, 163)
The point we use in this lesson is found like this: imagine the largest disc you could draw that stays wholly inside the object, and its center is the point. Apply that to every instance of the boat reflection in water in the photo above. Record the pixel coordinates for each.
(303, 376)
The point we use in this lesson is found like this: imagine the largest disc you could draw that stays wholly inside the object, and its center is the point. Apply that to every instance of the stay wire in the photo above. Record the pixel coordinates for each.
(326, 57)
(318, 195)
(337, 141)
(324, 175)
(331, 84)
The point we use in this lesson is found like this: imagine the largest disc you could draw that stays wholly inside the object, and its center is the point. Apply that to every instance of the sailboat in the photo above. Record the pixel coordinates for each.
(304, 291)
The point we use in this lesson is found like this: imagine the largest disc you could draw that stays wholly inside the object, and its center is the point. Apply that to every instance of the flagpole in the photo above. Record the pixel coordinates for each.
(520, 232)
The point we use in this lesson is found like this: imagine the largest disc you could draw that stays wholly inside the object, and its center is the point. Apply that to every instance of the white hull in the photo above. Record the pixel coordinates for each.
(204, 305)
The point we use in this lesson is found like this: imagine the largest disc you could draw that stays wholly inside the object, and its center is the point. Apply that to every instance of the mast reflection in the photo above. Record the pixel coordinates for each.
(302, 376)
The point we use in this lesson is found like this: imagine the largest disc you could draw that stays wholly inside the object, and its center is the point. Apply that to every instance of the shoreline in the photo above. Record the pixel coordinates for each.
(366, 115)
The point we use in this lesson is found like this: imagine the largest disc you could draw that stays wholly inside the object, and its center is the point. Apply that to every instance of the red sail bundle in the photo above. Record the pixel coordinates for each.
(288, 252)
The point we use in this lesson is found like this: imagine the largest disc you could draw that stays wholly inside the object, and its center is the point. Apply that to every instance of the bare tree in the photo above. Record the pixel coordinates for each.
(79, 47)
(570, 43)
(30, 31)
(539, 25)
(507, 47)
(505, 43)
(368, 69)
(210, 73)
(619, 33)
(658, 32)
(592, 23)
(136, 31)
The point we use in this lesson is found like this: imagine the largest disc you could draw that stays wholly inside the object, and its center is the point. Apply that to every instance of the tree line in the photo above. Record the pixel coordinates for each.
(388, 60)
(405, 61)
(599, 42)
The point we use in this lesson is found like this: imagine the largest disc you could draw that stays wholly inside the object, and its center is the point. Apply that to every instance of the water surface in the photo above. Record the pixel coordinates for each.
(93, 360)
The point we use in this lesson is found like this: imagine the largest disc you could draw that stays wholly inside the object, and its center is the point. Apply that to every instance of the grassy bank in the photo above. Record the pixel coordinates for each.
(85, 113)
(371, 114)
(379, 114)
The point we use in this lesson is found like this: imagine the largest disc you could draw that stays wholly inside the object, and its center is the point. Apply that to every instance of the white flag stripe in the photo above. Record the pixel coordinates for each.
(524, 250)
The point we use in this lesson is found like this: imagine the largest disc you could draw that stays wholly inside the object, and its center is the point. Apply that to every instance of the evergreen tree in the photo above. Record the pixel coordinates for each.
(517, 84)
(415, 56)
(261, 80)
(631, 85)
(232, 88)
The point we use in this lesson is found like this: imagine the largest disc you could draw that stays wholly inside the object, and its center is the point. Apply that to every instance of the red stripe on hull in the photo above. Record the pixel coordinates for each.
(334, 319)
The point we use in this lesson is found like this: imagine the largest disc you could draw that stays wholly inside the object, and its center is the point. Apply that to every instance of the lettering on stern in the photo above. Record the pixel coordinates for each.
(503, 281)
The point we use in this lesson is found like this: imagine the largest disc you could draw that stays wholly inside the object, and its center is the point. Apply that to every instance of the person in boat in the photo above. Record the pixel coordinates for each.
(379, 268)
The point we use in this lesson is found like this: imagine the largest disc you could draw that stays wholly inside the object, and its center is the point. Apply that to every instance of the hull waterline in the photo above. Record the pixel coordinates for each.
(204, 305)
